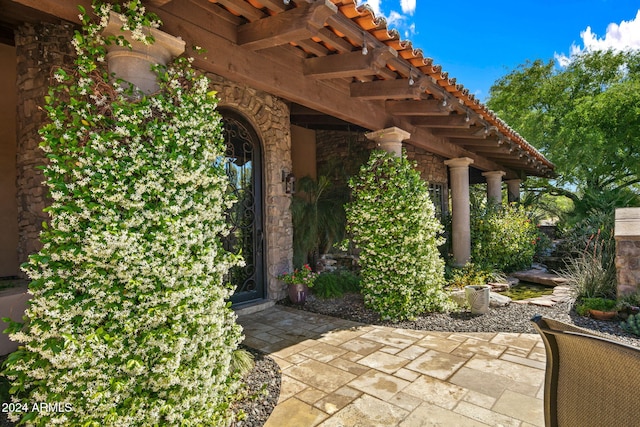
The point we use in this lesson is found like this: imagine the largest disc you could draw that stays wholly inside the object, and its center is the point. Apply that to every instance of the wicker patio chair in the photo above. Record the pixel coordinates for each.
(589, 380)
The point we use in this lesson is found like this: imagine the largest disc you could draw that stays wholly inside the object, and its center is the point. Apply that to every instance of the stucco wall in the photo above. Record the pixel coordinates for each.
(303, 152)
(9, 265)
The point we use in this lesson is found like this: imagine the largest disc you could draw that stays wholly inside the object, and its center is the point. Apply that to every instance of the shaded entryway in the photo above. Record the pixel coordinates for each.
(244, 169)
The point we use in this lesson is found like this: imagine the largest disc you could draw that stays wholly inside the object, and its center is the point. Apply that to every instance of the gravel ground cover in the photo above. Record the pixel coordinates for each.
(512, 318)
(260, 397)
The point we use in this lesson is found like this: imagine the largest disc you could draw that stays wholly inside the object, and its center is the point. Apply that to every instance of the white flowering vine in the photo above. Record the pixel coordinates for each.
(392, 222)
(129, 324)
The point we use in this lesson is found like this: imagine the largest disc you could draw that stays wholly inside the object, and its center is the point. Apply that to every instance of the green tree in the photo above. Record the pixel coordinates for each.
(585, 118)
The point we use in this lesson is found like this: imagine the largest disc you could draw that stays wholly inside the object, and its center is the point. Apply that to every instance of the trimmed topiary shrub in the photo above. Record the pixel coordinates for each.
(129, 322)
(502, 237)
(392, 222)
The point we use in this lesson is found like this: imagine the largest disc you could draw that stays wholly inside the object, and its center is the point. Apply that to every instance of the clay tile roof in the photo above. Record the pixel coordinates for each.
(356, 21)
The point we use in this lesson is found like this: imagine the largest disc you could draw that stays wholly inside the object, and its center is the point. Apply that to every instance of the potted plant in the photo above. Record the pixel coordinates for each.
(299, 281)
(598, 308)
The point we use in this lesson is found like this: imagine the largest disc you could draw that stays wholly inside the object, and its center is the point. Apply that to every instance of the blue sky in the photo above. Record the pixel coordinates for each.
(478, 42)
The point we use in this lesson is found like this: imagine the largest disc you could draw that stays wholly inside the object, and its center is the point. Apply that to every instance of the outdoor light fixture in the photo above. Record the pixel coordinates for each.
(466, 119)
(411, 81)
(364, 44)
(286, 2)
(444, 102)
(289, 182)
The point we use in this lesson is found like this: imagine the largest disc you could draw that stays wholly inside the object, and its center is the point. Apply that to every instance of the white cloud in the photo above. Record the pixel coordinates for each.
(374, 5)
(625, 36)
(399, 21)
(408, 6)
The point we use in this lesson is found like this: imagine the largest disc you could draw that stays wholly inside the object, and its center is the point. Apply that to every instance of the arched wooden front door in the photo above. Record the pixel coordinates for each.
(244, 168)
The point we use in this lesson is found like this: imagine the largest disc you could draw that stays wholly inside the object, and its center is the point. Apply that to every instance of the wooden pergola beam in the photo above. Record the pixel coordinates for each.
(471, 142)
(242, 8)
(415, 108)
(473, 132)
(294, 24)
(455, 121)
(385, 89)
(353, 64)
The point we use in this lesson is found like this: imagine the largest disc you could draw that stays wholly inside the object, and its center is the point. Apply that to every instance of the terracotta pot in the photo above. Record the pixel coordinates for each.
(602, 315)
(298, 293)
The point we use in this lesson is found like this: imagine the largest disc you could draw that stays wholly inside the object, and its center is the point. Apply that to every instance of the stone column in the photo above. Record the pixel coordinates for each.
(460, 214)
(134, 65)
(39, 49)
(389, 139)
(494, 186)
(627, 236)
(513, 190)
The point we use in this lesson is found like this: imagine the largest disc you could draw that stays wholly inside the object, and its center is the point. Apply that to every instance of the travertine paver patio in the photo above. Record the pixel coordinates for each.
(341, 373)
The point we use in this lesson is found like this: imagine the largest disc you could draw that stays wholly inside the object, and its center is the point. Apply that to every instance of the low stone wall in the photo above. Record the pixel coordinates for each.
(627, 235)
(13, 303)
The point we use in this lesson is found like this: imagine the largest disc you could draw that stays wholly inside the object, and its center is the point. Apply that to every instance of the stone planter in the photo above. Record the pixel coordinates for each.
(478, 298)
(298, 293)
(134, 65)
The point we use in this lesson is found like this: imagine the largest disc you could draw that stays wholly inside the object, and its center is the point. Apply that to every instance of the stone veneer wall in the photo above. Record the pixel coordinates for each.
(270, 119)
(349, 150)
(627, 236)
(39, 48)
(431, 166)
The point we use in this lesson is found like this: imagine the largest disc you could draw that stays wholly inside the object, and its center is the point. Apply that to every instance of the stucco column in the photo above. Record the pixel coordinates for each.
(513, 190)
(460, 209)
(134, 65)
(494, 185)
(389, 139)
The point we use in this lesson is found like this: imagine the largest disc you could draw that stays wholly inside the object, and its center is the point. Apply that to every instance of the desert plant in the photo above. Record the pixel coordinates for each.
(592, 273)
(333, 284)
(318, 218)
(631, 324)
(129, 323)
(392, 222)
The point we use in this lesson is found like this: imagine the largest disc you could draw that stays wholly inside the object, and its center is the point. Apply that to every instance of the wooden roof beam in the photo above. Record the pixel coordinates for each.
(386, 89)
(277, 5)
(424, 107)
(471, 142)
(353, 64)
(473, 132)
(295, 24)
(242, 8)
(454, 121)
(331, 39)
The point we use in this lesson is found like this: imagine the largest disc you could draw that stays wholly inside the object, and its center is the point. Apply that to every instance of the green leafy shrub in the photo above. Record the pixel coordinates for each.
(503, 237)
(129, 322)
(471, 274)
(601, 304)
(334, 284)
(392, 222)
